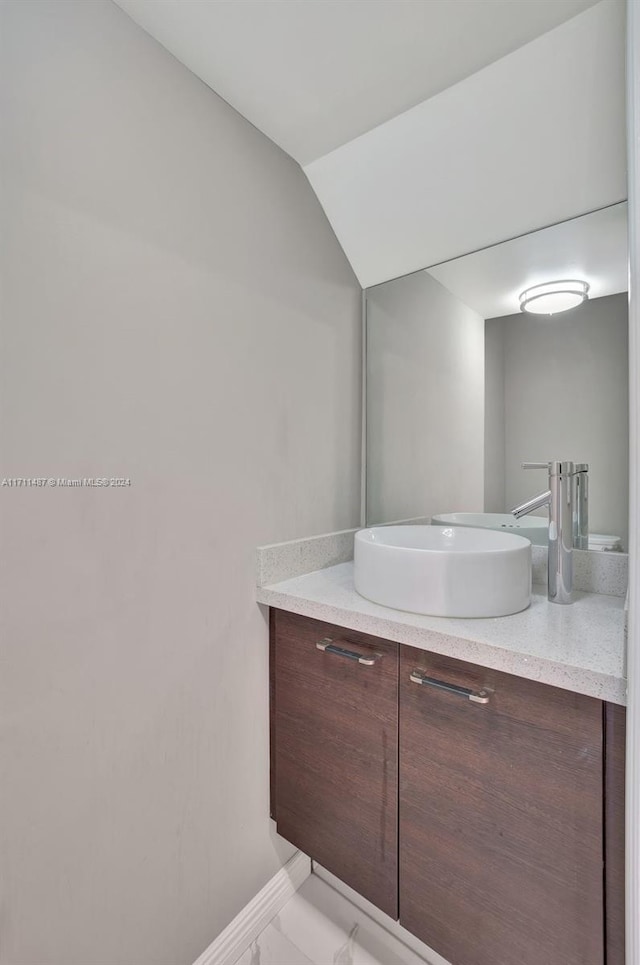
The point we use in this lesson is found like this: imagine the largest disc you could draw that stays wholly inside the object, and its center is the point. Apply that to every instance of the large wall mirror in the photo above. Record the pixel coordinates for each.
(463, 386)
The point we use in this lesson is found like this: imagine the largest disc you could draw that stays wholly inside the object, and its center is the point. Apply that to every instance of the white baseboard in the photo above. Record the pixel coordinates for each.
(231, 944)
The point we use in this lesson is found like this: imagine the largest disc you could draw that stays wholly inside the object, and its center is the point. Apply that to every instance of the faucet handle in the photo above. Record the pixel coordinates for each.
(554, 468)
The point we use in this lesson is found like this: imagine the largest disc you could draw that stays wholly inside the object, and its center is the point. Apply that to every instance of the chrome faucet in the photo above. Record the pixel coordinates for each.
(567, 500)
(581, 507)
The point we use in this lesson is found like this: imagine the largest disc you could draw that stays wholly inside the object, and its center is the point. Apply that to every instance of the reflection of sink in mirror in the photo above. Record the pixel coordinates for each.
(535, 529)
(444, 571)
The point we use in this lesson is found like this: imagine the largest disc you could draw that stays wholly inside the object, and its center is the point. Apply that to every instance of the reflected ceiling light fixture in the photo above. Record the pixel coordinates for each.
(554, 297)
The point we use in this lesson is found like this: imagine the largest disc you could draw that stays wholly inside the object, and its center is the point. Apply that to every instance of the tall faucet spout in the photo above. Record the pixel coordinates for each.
(532, 504)
(559, 497)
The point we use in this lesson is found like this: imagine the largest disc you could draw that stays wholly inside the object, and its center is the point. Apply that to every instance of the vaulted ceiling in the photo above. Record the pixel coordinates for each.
(427, 128)
(314, 74)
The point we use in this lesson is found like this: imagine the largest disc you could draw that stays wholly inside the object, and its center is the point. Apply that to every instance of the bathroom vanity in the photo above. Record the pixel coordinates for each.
(481, 808)
(465, 772)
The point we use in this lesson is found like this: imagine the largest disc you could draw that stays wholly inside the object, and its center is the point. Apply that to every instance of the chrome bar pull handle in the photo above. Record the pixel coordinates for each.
(366, 659)
(475, 696)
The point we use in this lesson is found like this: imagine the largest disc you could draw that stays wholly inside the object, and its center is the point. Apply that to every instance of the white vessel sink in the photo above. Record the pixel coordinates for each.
(533, 528)
(444, 571)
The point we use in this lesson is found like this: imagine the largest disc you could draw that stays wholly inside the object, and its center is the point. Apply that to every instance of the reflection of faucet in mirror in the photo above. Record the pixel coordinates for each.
(566, 499)
(581, 507)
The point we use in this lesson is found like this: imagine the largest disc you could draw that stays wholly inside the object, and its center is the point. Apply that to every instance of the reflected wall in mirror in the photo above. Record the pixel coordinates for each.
(463, 386)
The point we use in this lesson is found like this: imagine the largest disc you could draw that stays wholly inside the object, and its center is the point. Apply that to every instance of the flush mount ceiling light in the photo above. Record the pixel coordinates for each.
(554, 297)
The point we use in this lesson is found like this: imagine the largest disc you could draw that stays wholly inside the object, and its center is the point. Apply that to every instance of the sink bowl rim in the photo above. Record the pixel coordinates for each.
(528, 522)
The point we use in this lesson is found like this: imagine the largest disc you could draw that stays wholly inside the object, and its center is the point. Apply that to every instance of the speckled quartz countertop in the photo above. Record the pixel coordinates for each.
(579, 647)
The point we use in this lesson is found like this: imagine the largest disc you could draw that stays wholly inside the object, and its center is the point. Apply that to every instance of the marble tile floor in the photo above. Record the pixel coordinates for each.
(319, 926)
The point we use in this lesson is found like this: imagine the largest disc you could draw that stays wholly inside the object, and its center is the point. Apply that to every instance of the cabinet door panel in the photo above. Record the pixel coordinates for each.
(336, 753)
(500, 818)
(614, 785)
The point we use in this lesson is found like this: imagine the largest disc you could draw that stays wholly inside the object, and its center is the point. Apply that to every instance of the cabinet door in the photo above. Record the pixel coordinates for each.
(614, 785)
(336, 751)
(501, 840)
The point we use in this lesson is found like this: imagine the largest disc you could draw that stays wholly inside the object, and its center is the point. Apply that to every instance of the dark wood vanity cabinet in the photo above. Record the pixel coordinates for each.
(483, 810)
(335, 759)
(615, 721)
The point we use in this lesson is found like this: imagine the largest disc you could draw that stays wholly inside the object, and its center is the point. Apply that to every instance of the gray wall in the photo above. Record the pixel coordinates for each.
(566, 392)
(178, 311)
(425, 401)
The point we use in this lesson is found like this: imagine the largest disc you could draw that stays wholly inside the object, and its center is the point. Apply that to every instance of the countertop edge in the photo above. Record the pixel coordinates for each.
(589, 682)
